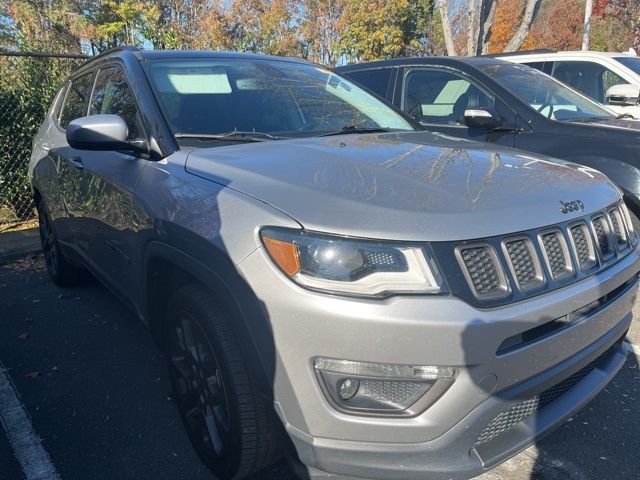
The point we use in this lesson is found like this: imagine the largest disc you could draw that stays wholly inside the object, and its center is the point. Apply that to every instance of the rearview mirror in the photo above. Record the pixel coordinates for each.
(480, 118)
(624, 94)
(102, 132)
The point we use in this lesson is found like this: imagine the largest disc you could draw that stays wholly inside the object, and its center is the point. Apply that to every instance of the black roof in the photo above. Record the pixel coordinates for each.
(166, 54)
(399, 62)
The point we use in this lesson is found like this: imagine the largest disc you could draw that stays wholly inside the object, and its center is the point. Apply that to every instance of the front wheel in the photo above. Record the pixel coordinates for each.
(226, 418)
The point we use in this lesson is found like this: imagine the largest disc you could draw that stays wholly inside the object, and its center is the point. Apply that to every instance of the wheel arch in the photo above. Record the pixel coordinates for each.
(167, 268)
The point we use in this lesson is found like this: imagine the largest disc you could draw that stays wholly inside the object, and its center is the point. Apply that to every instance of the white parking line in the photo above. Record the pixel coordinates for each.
(26, 444)
(630, 347)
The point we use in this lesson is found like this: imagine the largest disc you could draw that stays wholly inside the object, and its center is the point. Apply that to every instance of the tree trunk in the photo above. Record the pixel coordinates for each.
(530, 12)
(446, 27)
(487, 14)
(474, 27)
(587, 25)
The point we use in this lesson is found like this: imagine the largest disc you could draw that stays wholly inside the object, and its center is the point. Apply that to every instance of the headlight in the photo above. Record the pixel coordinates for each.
(351, 266)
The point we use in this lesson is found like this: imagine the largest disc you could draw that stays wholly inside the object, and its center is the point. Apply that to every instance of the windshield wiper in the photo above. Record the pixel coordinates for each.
(233, 136)
(624, 115)
(356, 129)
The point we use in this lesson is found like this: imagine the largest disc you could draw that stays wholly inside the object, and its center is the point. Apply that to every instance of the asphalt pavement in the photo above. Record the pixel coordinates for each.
(96, 391)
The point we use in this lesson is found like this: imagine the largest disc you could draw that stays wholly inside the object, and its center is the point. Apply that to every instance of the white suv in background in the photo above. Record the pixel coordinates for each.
(610, 78)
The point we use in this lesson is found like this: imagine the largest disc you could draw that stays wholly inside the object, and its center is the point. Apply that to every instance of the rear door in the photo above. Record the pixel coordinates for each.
(109, 217)
(377, 80)
(438, 97)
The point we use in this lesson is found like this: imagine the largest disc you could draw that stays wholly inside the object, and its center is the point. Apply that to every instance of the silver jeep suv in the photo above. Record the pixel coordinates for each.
(379, 302)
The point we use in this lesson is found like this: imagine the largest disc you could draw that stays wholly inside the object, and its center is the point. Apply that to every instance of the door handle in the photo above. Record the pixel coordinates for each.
(77, 162)
(45, 147)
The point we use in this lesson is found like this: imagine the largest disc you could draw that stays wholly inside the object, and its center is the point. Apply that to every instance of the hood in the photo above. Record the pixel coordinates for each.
(410, 186)
(628, 128)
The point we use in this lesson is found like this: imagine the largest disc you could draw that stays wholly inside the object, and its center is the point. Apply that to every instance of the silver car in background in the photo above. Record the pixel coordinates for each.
(325, 280)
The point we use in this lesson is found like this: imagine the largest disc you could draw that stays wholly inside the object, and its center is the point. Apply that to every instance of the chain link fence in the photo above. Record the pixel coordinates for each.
(28, 83)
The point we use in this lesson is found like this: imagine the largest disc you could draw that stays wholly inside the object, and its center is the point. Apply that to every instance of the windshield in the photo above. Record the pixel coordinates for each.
(632, 63)
(546, 95)
(271, 98)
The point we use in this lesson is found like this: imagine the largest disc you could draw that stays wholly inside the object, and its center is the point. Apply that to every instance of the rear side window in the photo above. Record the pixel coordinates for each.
(375, 80)
(112, 95)
(75, 100)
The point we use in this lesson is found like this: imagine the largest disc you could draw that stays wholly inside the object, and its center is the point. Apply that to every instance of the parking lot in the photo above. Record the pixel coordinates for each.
(97, 394)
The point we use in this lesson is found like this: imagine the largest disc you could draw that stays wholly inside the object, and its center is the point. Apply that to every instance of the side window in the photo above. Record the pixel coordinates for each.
(75, 100)
(609, 79)
(375, 80)
(111, 94)
(591, 79)
(536, 65)
(441, 97)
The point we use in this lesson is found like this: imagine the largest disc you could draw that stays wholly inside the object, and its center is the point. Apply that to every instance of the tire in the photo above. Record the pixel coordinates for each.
(225, 416)
(62, 272)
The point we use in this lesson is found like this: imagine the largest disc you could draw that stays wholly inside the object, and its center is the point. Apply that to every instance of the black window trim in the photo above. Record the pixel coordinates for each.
(110, 64)
(69, 82)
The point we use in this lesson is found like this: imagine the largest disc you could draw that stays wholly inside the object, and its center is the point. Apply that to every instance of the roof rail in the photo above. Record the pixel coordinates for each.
(521, 52)
(121, 48)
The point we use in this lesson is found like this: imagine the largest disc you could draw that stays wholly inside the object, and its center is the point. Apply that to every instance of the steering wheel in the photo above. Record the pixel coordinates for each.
(543, 106)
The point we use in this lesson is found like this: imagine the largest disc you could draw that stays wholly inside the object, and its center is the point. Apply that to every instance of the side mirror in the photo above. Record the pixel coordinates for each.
(480, 118)
(102, 132)
(624, 94)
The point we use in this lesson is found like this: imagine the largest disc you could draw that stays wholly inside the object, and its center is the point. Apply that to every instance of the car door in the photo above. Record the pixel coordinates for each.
(438, 98)
(65, 204)
(109, 218)
(377, 80)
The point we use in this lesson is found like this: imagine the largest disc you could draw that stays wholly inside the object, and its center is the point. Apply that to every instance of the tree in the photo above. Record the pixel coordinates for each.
(120, 22)
(443, 7)
(625, 13)
(386, 29)
(264, 26)
(320, 29)
(559, 26)
(477, 26)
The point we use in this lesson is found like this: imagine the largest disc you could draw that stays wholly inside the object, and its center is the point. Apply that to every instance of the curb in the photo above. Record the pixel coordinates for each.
(15, 245)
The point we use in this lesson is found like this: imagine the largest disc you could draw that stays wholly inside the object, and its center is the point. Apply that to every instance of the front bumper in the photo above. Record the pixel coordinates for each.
(441, 442)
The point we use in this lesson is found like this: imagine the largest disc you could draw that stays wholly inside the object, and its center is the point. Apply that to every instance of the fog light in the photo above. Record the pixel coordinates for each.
(348, 388)
(381, 389)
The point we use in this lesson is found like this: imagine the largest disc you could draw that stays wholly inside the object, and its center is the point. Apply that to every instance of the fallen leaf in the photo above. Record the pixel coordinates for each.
(54, 368)
(23, 336)
(32, 374)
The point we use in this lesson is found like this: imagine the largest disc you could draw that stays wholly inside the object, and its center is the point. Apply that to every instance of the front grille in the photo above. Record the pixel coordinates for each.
(582, 243)
(505, 421)
(482, 269)
(556, 256)
(602, 237)
(618, 229)
(513, 267)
